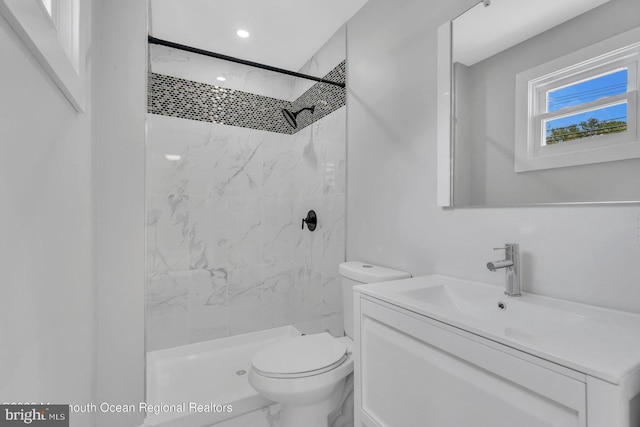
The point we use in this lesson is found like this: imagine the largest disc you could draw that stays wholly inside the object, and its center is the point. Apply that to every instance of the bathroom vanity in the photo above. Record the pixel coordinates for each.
(443, 352)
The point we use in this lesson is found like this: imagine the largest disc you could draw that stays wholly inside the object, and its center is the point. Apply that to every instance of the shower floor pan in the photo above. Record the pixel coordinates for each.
(193, 385)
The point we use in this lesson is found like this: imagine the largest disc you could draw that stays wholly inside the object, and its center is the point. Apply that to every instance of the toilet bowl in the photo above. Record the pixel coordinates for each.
(307, 374)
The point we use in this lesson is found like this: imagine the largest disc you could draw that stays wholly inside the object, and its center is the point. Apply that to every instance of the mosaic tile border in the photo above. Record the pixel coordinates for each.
(326, 98)
(176, 97)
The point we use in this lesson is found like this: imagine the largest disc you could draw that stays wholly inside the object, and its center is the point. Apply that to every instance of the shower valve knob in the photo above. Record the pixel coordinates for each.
(311, 220)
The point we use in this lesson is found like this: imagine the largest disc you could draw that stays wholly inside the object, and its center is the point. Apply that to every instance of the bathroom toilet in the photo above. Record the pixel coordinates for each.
(306, 374)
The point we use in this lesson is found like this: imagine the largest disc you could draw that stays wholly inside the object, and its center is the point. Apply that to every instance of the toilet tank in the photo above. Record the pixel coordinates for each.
(357, 273)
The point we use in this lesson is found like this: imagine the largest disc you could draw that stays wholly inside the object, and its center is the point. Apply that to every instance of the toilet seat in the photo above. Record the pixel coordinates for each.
(301, 374)
(301, 356)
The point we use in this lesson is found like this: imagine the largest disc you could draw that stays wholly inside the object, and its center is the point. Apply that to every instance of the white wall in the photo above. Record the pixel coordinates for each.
(589, 254)
(47, 312)
(120, 82)
(63, 177)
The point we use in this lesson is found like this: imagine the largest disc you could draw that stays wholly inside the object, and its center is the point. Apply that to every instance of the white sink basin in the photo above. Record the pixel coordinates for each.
(488, 308)
(596, 341)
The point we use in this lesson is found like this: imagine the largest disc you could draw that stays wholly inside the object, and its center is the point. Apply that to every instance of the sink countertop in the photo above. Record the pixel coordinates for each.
(599, 342)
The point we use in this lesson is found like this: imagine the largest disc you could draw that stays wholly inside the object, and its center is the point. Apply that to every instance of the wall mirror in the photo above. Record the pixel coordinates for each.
(538, 103)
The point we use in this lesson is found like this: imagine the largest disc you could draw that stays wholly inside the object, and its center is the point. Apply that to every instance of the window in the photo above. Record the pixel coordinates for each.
(581, 108)
(62, 16)
(593, 98)
(48, 5)
(51, 30)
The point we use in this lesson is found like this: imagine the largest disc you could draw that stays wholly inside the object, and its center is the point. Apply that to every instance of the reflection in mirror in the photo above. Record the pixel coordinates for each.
(567, 131)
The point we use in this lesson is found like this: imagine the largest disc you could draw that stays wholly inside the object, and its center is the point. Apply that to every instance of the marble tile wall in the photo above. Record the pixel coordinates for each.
(226, 254)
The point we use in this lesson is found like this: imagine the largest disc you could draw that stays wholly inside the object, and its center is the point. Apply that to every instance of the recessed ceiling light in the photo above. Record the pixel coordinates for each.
(220, 79)
(243, 33)
(172, 157)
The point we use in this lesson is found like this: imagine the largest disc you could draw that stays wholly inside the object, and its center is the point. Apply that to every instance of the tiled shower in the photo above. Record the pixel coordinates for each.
(228, 182)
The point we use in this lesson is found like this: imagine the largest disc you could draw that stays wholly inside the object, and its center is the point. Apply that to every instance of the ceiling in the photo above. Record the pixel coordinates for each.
(284, 33)
(481, 32)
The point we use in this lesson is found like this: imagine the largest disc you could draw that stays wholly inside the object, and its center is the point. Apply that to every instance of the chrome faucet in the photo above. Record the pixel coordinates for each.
(511, 264)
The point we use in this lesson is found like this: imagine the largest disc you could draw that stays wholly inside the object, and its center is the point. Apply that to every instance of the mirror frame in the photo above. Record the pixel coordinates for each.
(444, 156)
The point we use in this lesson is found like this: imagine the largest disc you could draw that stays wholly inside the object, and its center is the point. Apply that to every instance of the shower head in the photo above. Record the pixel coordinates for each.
(291, 116)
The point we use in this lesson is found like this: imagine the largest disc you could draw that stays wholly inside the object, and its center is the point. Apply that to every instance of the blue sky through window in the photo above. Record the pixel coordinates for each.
(611, 84)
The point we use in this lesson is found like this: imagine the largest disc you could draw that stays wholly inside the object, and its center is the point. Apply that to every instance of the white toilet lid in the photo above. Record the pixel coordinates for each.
(300, 356)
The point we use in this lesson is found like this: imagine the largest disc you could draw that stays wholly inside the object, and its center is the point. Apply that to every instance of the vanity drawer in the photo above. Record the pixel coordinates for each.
(417, 371)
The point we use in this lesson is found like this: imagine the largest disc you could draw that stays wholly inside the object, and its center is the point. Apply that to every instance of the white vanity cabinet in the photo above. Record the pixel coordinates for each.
(413, 370)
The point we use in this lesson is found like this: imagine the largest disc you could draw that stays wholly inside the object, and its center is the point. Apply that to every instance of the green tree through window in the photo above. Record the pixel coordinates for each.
(585, 129)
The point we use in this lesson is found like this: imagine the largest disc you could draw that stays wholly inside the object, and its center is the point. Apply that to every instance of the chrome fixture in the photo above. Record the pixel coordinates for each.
(511, 264)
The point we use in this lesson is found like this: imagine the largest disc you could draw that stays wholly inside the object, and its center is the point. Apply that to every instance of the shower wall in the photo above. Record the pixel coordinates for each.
(226, 253)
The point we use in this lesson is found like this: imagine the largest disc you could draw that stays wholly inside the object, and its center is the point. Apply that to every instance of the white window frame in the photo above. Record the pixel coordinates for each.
(532, 87)
(57, 41)
(54, 11)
